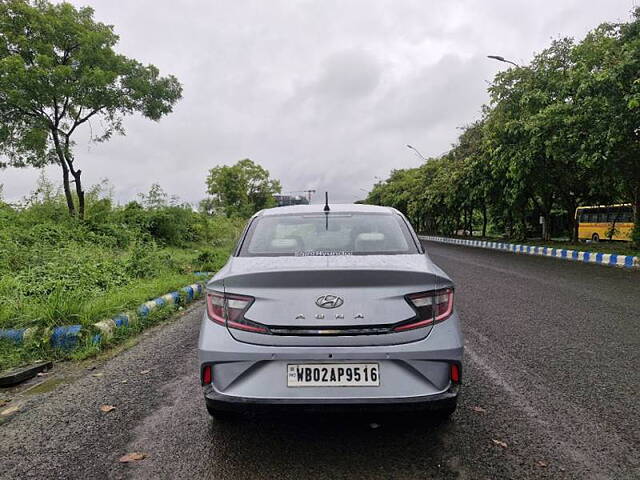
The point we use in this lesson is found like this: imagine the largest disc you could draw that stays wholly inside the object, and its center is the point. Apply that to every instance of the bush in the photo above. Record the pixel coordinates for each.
(57, 270)
(143, 261)
(52, 266)
(171, 225)
(211, 260)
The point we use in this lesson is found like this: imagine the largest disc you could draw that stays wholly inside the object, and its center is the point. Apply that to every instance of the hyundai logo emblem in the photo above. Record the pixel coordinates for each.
(329, 301)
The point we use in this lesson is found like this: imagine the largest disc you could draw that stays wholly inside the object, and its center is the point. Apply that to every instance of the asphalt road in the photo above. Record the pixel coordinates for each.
(551, 390)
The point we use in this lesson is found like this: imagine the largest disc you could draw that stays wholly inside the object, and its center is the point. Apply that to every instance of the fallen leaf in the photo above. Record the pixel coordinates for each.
(9, 411)
(132, 457)
(542, 464)
(144, 372)
(107, 408)
(478, 409)
(42, 374)
(124, 381)
(97, 374)
(500, 443)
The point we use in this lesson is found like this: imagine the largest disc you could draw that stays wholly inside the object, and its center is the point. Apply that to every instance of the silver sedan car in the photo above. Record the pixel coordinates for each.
(330, 307)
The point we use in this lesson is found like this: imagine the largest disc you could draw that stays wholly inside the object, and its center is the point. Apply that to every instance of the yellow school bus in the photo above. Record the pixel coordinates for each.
(595, 222)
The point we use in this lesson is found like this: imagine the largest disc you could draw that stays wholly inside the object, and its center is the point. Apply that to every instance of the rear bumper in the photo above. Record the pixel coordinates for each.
(413, 375)
(251, 405)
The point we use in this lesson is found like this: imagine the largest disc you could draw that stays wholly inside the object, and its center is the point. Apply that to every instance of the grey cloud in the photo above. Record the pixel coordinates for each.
(324, 94)
(345, 76)
(424, 99)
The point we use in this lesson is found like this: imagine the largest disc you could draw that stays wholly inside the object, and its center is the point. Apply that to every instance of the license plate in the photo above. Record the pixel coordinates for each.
(333, 375)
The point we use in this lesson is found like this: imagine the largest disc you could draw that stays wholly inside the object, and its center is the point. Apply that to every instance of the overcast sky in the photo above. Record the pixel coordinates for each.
(325, 94)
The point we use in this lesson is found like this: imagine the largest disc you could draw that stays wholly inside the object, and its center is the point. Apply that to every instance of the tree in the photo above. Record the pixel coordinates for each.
(427, 207)
(242, 189)
(560, 132)
(156, 198)
(58, 71)
(472, 189)
(558, 125)
(396, 191)
(514, 167)
(207, 206)
(607, 66)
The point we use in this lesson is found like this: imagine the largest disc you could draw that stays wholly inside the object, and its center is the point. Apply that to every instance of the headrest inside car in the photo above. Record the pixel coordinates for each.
(369, 242)
(370, 237)
(284, 243)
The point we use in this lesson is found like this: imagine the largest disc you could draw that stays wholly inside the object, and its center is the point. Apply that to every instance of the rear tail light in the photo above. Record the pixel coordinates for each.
(206, 375)
(431, 307)
(228, 310)
(455, 373)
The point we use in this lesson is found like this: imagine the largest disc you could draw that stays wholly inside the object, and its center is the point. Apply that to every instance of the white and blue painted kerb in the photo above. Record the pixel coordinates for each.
(67, 337)
(608, 259)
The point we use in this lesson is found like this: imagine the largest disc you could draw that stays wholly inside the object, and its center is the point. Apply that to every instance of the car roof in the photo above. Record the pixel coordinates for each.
(319, 208)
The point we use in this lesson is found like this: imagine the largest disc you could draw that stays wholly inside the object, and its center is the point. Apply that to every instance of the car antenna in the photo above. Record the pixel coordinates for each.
(326, 210)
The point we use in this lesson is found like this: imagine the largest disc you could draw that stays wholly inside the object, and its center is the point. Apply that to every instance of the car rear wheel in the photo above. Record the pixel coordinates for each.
(595, 238)
(222, 415)
(447, 409)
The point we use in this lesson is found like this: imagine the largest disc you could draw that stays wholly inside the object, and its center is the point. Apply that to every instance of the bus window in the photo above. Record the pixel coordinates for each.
(626, 216)
(597, 221)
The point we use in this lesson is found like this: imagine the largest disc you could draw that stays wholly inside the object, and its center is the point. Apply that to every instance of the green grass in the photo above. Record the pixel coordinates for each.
(58, 295)
(85, 307)
(78, 308)
(55, 270)
(59, 270)
(12, 355)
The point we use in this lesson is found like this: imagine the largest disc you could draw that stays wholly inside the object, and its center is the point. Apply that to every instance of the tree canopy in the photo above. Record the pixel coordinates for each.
(560, 132)
(58, 71)
(240, 190)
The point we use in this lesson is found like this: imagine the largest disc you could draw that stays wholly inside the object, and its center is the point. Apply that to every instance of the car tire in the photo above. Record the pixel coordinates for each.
(595, 238)
(446, 410)
(222, 415)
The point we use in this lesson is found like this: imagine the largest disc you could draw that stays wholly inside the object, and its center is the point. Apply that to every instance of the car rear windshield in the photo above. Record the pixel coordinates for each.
(328, 235)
